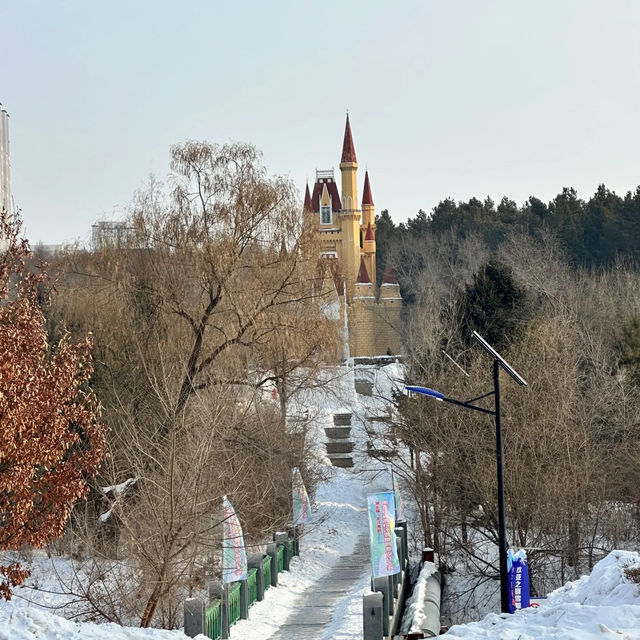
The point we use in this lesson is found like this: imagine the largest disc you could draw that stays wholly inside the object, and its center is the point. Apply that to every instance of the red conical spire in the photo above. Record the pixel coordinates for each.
(307, 199)
(348, 150)
(367, 198)
(389, 276)
(369, 234)
(363, 276)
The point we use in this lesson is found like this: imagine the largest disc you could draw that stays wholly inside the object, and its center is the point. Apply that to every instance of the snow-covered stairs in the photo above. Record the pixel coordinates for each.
(339, 444)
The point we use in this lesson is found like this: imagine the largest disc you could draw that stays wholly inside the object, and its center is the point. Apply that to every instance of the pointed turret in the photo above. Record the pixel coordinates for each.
(307, 199)
(348, 149)
(363, 275)
(369, 236)
(364, 287)
(367, 198)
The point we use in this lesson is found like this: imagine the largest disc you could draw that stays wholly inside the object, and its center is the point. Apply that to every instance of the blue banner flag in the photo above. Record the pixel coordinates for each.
(382, 521)
(518, 580)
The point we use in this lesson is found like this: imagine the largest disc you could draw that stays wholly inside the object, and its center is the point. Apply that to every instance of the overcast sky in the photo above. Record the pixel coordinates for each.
(446, 98)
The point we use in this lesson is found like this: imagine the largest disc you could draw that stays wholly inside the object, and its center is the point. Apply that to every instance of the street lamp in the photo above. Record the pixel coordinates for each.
(498, 363)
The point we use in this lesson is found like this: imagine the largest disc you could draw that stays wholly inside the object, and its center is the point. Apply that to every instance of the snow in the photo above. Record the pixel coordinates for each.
(36, 624)
(605, 604)
(414, 611)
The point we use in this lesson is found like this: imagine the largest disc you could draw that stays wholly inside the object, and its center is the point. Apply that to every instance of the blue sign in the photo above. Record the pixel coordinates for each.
(518, 580)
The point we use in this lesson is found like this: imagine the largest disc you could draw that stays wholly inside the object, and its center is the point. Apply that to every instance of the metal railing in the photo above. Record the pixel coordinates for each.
(231, 602)
(234, 602)
(213, 620)
(252, 586)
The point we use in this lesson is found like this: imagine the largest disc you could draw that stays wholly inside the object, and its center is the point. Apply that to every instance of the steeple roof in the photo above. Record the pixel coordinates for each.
(307, 199)
(363, 276)
(367, 198)
(369, 234)
(389, 276)
(348, 150)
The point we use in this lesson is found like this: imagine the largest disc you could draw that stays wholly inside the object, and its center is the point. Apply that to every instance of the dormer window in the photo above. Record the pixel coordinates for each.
(325, 214)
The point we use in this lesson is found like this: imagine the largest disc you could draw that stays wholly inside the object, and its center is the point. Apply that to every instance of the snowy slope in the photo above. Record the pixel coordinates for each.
(605, 604)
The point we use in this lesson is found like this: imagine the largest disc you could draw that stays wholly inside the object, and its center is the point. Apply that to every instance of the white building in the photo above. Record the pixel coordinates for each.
(5, 163)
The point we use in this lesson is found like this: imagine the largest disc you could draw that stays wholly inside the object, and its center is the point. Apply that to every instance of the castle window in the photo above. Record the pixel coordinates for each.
(325, 214)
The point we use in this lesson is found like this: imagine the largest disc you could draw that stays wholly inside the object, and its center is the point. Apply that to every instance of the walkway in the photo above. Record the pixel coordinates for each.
(318, 604)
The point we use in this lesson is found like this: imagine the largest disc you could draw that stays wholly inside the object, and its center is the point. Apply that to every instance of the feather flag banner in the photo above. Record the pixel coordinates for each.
(234, 555)
(301, 502)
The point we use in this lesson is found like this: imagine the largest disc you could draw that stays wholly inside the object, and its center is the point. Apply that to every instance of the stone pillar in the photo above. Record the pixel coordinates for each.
(194, 620)
(244, 600)
(224, 611)
(372, 616)
(405, 537)
(255, 562)
(400, 552)
(381, 585)
(282, 538)
(272, 550)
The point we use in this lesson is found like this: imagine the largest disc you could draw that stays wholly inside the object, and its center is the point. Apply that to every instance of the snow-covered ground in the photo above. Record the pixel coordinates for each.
(604, 605)
(339, 519)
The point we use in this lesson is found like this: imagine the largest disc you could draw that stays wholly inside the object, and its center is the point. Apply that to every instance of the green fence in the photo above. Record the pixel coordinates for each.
(252, 586)
(234, 602)
(280, 557)
(292, 548)
(214, 620)
(266, 571)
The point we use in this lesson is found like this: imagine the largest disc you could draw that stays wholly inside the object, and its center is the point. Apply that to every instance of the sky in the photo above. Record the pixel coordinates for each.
(447, 98)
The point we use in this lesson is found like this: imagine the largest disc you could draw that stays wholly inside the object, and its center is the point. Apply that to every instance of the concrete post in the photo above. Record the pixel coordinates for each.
(224, 611)
(372, 616)
(394, 579)
(405, 537)
(381, 585)
(401, 545)
(194, 617)
(272, 550)
(244, 600)
(255, 562)
(283, 539)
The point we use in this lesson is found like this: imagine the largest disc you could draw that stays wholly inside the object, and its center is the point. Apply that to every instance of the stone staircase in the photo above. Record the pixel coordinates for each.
(339, 443)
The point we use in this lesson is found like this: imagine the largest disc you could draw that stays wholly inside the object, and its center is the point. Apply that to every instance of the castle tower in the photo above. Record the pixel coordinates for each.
(306, 207)
(350, 213)
(369, 251)
(368, 228)
(368, 210)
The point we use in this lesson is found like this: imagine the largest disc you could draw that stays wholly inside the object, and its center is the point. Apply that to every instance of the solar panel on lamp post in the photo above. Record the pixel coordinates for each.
(498, 363)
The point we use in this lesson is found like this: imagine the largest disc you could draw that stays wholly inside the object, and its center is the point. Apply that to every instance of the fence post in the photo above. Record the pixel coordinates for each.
(255, 562)
(244, 599)
(272, 550)
(401, 545)
(224, 611)
(372, 616)
(281, 538)
(381, 585)
(193, 617)
(405, 537)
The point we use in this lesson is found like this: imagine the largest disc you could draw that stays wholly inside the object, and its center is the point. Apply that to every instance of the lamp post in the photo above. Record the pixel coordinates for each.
(498, 363)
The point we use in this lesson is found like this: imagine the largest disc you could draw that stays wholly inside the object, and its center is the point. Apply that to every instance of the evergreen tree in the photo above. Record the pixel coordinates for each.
(494, 305)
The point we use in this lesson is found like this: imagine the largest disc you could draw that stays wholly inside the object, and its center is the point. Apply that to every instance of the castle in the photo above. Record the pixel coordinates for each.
(369, 314)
